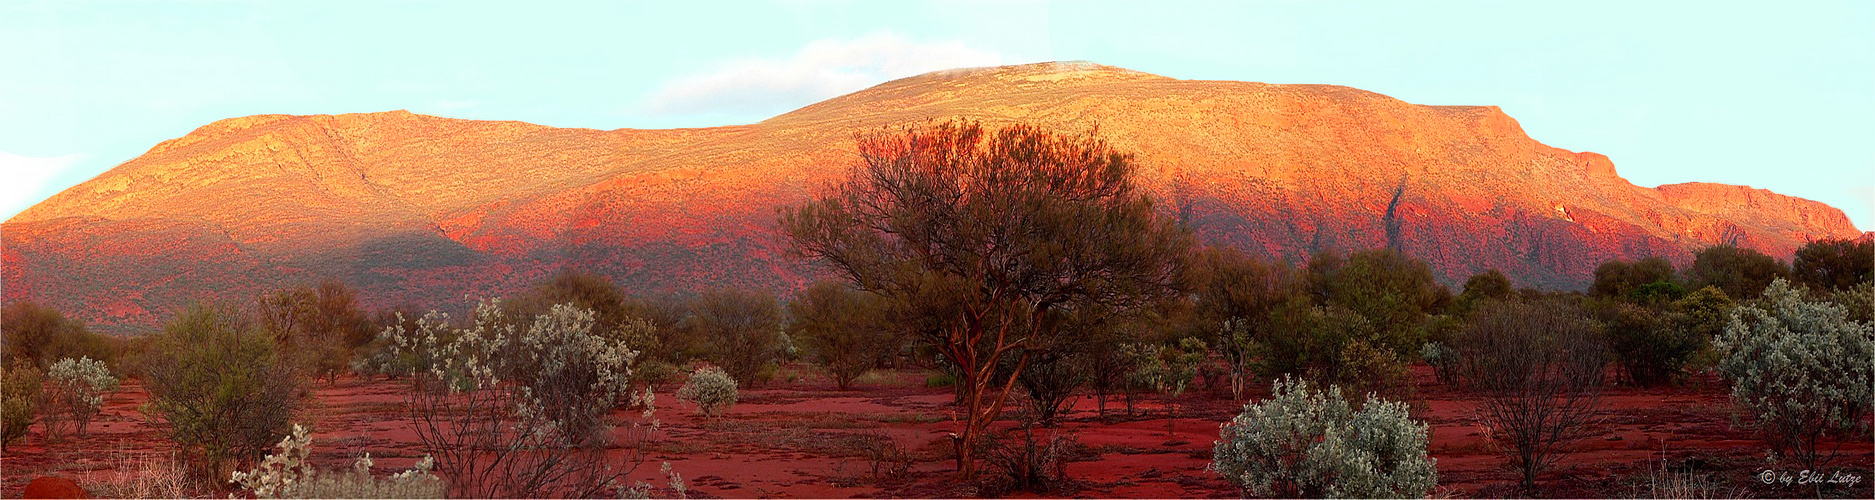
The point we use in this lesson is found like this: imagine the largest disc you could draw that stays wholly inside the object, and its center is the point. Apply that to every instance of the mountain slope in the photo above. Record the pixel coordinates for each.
(419, 209)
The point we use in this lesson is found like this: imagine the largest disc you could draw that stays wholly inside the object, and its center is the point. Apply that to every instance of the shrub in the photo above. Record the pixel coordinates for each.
(712, 389)
(743, 329)
(1538, 367)
(843, 329)
(1444, 361)
(1030, 464)
(317, 327)
(1168, 370)
(1834, 264)
(288, 474)
(1739, 272)
(77, 392)
(42, 335)
(20, 388)
(1394, 292)
(1652, 344)
(1801, 369)
(219, 389)
(1617, 278)
(529, 401)
(1306, 443)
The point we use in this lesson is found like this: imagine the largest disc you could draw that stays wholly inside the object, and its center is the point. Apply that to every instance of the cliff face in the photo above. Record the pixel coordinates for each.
(422, 210)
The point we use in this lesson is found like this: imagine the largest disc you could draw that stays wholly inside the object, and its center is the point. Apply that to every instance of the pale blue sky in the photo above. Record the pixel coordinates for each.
(1777, 95)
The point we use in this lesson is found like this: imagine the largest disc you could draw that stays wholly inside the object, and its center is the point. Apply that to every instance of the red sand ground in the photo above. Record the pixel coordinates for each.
(802, 438)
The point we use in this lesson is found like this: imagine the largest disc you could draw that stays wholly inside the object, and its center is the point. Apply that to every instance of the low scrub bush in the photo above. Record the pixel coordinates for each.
(1800, 368)
(1652, 344)
(1307, 443)
(513, 407)
(20, 386)
(1538, 367)
(77, 390)
(287, 473)
(712, 389)
(1031, 464)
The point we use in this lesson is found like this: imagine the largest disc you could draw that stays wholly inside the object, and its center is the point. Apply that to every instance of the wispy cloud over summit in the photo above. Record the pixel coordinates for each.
(822, 69)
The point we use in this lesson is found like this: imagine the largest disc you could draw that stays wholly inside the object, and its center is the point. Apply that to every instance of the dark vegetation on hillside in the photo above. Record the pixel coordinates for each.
(1023, 267)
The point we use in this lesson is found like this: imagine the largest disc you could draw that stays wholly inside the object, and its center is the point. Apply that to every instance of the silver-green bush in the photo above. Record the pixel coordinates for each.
(711, 389)
(76, 393)
(1801, 369)
(288, 474)
(514, 407)
(1307, 443)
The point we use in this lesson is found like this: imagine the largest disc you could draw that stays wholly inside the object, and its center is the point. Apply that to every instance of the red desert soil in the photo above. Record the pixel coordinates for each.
(802, 438)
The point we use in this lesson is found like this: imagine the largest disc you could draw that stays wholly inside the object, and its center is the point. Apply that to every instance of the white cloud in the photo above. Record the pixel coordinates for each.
(822, 69)
(25, 179)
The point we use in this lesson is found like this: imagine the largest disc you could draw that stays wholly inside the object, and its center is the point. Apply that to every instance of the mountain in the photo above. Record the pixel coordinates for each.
(423, 210)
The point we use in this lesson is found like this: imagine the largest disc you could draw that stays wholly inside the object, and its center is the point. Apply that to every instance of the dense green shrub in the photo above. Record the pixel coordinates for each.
(219, 389)
(712, 389)
(1235, 295)
(1739, 272)
(317, 327)
(1617, 278)
(1397, 294)
(43, 335)
(1652, 344)
(1834, 264)
(288, 473)
(1801, 368)
(1333, 345)
(529, 398)
(76, 391)
(20, 387)
(1444, 361)
(1303, 443)
(843, 330)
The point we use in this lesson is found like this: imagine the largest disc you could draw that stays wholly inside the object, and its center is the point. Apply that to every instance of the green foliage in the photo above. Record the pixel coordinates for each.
(532, 398)
(1332, 345)
(288, 473)
(1739, 272)
(1486, 286)
(1834, 264)
(712, 389)
(1859, 301)
(20, 386)
(1302, 443)
(1801, 368)
(1444, 361)
(1652, 344)
(976, 236)
(1236, 294)
(843, 330)
(218, 389)
(1395, 293)
(77, 390)
(1657, 292)
(317, 327)
(43, 335)
(1617, 278)
(742, 329)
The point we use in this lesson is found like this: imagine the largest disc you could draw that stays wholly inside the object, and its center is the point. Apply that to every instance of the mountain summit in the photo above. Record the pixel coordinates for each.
(423, 210)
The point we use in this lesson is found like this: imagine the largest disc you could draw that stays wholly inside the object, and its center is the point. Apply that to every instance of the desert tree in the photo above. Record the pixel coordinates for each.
(1801, 368)
(743, 329)
(219, 388)
(843, 330)
(1834, 264)
(1739, 272)
(43, 335)
(976, 235)
(1618, 278)
(319, 326)
(1235, 295)
(1397, 294)
(1538, 367)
